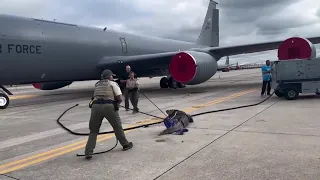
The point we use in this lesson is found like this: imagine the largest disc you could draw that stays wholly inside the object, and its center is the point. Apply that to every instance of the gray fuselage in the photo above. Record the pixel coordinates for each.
(33, 50)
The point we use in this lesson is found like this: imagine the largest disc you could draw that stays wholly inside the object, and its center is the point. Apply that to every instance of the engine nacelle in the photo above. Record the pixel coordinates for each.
(192, 67)
(51, 85)
(296, 48)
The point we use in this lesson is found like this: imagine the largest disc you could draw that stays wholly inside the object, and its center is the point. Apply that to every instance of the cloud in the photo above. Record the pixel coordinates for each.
(289, 17)
(241, 21)
(243, 11)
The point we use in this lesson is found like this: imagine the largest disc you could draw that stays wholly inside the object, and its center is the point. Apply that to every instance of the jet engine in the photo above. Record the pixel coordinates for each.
(191, 67)
(296, 48)
(51, 85)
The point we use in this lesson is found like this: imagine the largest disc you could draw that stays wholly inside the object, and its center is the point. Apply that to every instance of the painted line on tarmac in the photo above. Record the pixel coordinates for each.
(16, 97)
(41, 157)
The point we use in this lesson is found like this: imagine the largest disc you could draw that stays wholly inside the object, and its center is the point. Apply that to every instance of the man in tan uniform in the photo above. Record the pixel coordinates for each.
(106, 97)
(133, 87)
(123, 83)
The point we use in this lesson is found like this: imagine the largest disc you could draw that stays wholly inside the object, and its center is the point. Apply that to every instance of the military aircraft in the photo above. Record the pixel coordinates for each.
(227, 66)
(51, 54)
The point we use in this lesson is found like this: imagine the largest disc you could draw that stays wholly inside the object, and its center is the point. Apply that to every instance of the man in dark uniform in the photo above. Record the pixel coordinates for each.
(106, 97)
(123, 80)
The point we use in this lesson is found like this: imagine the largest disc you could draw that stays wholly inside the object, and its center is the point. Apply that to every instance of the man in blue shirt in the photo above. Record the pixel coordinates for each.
(266, 76)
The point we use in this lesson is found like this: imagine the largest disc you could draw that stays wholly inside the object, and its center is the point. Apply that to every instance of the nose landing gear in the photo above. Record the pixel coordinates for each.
(166, 82)
(4, 99)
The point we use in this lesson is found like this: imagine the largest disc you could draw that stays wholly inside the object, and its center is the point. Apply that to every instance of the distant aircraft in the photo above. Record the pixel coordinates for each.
(51, 54)
(249, 65)
(227, 66)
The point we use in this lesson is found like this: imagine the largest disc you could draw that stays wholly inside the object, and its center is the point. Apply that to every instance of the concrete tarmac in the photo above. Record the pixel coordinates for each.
(278, 139)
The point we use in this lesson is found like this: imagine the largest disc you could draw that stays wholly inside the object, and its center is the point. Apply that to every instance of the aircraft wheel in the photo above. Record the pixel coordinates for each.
(164, 82)
(172, 83)
(180, 85)
(4, 101)
(291, 94)
(279, 93)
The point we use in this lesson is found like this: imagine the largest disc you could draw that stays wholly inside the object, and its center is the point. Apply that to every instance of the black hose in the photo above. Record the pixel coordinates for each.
(238, 107)
(107, 132)
(149, 124)
(9, 177)
(101, 152)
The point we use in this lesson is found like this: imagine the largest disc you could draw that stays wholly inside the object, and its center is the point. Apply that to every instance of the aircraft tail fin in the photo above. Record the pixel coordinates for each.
(227, 60)
(209, 35)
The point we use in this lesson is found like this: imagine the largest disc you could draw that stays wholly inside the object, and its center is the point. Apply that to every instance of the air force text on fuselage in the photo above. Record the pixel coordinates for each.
(20, 49)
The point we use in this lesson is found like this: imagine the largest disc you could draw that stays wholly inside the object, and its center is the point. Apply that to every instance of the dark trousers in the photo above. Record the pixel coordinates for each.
(134, 98)
(98, 113)
(266, 85)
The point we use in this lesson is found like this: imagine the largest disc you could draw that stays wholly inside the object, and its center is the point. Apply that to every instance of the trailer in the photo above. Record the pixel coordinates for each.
(292, 77)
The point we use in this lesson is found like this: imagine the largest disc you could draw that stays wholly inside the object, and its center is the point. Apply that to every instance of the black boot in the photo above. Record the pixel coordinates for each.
(88, 156)
(135, 110)
(127, 147)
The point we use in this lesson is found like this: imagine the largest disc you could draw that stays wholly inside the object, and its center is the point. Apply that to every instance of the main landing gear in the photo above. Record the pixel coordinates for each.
(169, 82)
(4, 99)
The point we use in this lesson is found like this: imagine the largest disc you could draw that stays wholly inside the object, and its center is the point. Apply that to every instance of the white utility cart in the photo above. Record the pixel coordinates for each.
(291, 77)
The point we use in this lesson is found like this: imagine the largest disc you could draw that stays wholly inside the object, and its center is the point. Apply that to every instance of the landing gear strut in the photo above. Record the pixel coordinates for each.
(170, 83)
(4, 99)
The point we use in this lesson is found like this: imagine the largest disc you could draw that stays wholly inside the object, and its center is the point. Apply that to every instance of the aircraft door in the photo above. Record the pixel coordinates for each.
(123, 44)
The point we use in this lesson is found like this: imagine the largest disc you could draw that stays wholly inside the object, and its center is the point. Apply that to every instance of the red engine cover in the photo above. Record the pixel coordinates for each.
(182, 67)
(37, 85)
(296, 48)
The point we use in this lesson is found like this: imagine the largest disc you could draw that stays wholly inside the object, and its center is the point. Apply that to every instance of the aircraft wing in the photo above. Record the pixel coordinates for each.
(158, 64)
(250, 48)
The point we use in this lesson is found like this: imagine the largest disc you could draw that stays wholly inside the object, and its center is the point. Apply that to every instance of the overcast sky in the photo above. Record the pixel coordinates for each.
(241, 21)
